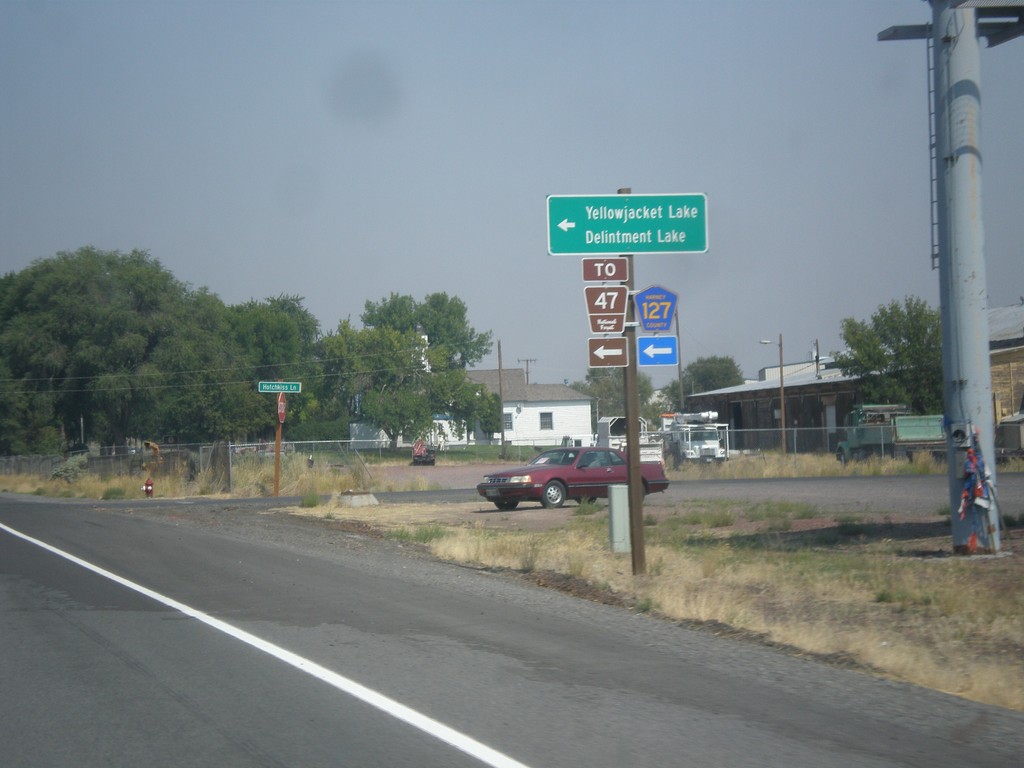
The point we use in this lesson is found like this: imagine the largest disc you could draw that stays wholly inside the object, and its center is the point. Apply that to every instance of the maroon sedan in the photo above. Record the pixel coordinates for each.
(566, 473)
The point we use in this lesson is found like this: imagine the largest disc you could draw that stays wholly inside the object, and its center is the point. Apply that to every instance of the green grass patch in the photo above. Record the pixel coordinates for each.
(645, 605)
(777, 510)
(420, 534)
(715, 517)
(850, 526)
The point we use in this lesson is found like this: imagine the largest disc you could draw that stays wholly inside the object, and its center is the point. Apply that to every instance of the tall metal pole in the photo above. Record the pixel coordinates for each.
(963, 291)
(966, 373)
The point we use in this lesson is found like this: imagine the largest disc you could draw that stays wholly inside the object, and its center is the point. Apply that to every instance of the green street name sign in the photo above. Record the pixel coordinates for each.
(586, 225)
(280, 386)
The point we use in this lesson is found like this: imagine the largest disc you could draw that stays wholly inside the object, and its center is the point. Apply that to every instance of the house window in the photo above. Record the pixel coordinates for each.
(547, 420)
(508, 421)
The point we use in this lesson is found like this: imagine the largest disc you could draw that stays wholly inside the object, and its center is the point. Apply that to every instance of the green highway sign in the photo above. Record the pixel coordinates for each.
(586, 225)
(280, 386)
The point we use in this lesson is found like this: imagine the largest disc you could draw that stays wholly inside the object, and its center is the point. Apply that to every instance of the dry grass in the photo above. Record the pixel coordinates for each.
(945, 623)
(775, 464)
(251, 476)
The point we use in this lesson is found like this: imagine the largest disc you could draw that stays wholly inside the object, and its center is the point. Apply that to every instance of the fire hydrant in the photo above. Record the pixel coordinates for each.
(148, 487)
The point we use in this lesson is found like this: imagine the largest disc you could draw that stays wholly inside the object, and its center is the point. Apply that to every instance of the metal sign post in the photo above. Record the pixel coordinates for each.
(277, 442)
(279, 388)
(600, 228)
(632, 392)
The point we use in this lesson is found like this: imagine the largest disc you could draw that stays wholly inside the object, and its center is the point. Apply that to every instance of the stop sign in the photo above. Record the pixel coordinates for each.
(280, 407)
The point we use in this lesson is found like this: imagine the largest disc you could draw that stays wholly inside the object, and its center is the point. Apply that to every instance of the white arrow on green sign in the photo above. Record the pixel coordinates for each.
(280, 386)
(584, 225)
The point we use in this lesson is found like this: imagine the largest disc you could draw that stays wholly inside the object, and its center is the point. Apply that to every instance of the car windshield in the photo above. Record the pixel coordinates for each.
(563, 458)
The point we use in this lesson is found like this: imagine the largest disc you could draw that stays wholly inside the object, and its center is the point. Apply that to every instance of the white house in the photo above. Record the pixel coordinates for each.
(536, 414)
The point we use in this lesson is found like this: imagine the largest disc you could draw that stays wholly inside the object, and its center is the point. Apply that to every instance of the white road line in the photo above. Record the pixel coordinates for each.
(389, 706)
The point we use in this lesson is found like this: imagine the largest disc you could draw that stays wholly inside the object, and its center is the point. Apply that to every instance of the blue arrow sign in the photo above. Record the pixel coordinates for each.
(655, 308)
(657, 350)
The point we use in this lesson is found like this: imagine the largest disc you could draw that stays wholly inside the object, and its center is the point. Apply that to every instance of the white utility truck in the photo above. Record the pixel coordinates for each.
(695, 437)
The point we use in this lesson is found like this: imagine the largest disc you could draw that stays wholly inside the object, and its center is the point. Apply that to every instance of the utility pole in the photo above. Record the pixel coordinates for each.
(782, 395)
(679, 368)
(501, 398)
(527, 360)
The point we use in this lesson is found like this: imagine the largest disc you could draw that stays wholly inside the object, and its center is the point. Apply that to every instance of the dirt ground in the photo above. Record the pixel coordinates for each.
(528, 517)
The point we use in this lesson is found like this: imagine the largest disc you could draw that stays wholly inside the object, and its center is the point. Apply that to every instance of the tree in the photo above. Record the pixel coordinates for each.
(488, 412)
(450, 391)
(279, 340)
(392, 381)
(27, 424)
(104, 346)
(703, 375)
(78, 332)
(898, 355)
(278, 335)
(442, 319)
(607, 389)
(207, 381)
(335, 392)
(413, 361)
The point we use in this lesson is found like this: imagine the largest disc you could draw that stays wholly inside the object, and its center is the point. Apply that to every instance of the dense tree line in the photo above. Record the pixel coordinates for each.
(101, 346)
(104, 347)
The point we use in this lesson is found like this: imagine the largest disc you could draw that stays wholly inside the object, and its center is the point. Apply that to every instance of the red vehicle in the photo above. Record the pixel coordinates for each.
(422, 455)
(566, 473)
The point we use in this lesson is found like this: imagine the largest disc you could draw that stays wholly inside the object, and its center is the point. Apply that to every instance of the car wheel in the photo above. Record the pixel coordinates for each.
(554, 495)
(506, 506)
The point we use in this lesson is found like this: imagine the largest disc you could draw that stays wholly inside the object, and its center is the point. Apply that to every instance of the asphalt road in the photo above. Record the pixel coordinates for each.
(921, 495)
(265, 640)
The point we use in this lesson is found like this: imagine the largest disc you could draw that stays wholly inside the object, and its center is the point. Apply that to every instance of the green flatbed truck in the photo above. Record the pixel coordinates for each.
(890, 430)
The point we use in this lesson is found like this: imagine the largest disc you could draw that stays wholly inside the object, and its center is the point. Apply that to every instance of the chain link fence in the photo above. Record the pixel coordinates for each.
(190, 460)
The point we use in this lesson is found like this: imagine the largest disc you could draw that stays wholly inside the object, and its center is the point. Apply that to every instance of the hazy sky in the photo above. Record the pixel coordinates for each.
(344, 151)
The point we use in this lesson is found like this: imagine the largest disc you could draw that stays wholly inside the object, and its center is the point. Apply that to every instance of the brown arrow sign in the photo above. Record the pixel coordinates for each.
(606, 306)
(611, 352)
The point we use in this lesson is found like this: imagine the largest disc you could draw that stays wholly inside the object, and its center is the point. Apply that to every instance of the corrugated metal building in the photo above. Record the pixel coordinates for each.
(818, 398)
